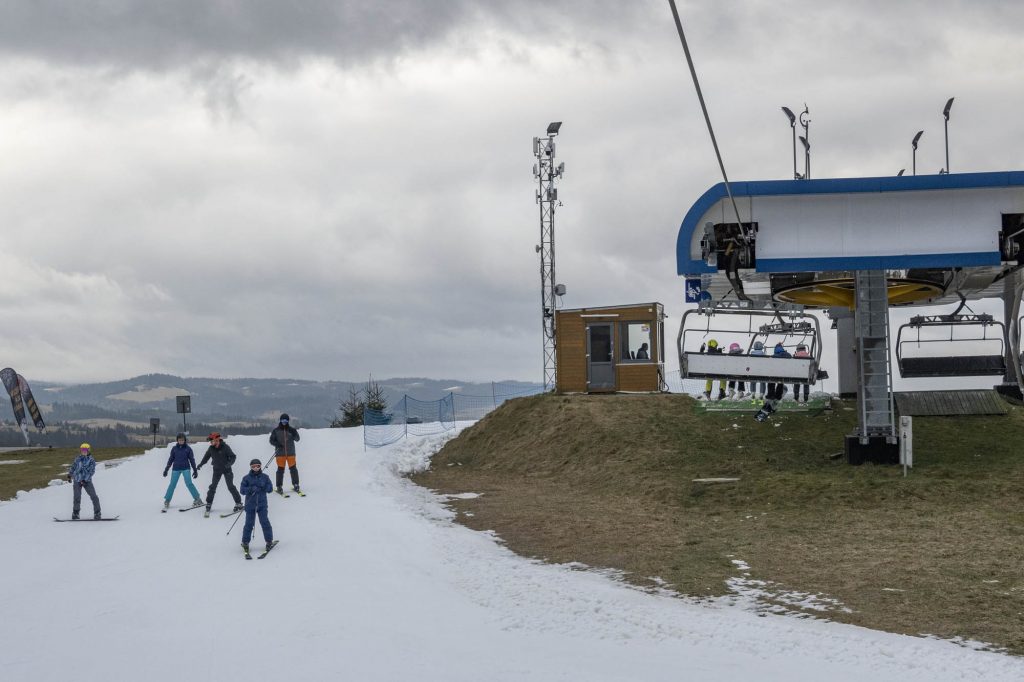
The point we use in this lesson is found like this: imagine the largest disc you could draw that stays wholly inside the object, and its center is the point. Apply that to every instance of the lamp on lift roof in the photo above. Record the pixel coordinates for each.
(792, 124)
(945, 115)
(913, 143)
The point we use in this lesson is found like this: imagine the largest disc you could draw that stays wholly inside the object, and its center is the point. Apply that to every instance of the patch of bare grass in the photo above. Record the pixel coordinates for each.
(608, 481)
(38, 467)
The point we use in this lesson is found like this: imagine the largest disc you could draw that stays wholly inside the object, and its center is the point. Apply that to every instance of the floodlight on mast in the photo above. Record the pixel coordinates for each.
(945, 115)
(913, 143)
(792, 124)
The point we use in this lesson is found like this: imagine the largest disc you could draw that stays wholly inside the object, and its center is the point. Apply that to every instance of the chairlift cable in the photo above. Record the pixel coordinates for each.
(707, 118)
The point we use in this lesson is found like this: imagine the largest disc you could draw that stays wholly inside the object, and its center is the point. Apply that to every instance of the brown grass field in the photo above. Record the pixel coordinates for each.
(608, 481)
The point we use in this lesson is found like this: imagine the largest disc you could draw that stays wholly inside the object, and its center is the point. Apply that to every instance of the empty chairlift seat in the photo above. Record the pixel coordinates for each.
(953, 363)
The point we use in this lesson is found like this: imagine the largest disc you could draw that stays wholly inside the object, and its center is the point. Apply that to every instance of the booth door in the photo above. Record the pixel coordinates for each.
(600, 359)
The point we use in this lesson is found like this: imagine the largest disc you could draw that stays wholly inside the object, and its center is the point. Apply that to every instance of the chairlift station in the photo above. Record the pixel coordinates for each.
(853, 248)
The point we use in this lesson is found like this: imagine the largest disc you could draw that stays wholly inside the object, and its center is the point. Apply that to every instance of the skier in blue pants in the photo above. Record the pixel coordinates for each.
(182, 460)
(255, 487)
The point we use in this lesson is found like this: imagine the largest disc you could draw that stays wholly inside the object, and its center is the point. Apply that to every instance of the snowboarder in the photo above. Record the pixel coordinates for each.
(182, 460)
(255, 486)
(80, 476)
(283, 439)
(776, 391)
(222, 458)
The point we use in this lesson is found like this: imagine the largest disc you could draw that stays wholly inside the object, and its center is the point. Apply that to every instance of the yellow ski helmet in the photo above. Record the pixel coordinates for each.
(85, 446)
(712, 343)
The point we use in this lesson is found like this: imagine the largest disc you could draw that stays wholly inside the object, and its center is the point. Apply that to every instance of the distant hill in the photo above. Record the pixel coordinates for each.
(310, 403)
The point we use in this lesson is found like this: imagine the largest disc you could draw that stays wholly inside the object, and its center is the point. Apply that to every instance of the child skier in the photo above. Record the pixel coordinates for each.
(80, 476)
(255, 486)
(223, 457)
(283, 439)
(801, 352)
(711, 348)
(758, 388)
(182, 460)
(735, 349)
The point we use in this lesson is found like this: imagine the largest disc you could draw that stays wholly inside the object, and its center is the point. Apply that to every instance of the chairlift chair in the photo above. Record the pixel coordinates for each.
(789, 327)
(932, 365)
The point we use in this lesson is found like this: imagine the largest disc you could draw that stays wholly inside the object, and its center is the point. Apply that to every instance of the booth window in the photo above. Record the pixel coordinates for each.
(636, 341)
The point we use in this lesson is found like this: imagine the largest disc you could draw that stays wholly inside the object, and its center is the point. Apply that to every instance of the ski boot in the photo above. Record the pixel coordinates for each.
(296, 489)
(198, 502)
(245, 550)
(97, 517)
(167, 505)
(279, 490)
(74, 517)
(206, 513)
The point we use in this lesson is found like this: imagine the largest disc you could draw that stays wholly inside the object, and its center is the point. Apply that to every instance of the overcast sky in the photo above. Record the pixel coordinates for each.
(328, 189)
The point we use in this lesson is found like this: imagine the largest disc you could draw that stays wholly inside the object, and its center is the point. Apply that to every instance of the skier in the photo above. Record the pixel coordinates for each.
(283, 439)
(182, 459)
(80, 476)
(711, 348)
(255, 486)
(801, 352)
(758, 389)
(735, 349)
(222, 458)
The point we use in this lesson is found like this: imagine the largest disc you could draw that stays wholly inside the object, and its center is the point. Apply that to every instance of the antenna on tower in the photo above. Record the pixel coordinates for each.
(546, 172)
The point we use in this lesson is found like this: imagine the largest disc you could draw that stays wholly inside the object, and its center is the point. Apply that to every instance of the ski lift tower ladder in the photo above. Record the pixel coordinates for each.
(877, 415)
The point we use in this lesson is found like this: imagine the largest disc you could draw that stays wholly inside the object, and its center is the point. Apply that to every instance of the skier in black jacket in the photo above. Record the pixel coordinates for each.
(222, 458)
(283, 439)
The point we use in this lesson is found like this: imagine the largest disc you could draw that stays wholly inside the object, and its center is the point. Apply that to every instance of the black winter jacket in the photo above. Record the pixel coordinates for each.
(283, 439)
(223, 457)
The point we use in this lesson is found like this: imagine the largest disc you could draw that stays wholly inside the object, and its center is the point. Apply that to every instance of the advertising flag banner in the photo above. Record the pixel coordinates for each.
(10, 379)
(30, 404)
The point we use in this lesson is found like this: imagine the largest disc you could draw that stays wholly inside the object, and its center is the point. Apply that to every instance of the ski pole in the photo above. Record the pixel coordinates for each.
(237, 516)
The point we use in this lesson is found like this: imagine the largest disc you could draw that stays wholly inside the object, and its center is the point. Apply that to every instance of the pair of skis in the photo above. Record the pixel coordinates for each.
(105, 518)
(264, 553)
(282, 493)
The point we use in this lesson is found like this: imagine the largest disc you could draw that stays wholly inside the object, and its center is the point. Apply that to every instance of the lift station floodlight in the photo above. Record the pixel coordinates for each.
(913, 143)
(553, 127)
(945, 125)
(792, 124)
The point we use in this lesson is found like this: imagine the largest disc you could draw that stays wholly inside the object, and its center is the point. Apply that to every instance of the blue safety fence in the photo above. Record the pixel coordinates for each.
(412, 417)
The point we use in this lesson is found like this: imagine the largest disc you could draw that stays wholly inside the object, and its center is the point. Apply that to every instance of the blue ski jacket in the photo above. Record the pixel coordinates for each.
(255, 488)
(181, 457)
(82, 468)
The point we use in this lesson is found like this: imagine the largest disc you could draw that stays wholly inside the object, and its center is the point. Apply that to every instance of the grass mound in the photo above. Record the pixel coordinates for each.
(609, 481)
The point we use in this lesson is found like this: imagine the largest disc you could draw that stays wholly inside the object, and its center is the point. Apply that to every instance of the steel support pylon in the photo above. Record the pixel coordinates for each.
(876, 412)
(546, 172)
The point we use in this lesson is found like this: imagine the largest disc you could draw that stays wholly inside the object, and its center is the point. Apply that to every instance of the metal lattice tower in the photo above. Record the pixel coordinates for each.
(547, 173)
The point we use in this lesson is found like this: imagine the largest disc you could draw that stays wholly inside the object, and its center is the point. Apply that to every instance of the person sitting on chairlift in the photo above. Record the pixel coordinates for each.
(711, 348)
(801, 352)
(734, 349)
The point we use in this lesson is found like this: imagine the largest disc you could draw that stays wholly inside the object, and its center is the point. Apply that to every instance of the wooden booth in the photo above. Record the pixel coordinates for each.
(610, 348)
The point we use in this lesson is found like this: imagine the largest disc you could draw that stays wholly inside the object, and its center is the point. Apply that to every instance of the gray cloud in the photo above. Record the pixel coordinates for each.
(139, 34)
(198, 189)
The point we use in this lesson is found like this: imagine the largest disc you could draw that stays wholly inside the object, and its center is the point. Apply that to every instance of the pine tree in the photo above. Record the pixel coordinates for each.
(351, 409)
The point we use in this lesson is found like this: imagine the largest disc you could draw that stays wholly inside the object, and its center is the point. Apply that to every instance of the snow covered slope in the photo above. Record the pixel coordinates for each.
(372, 581)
